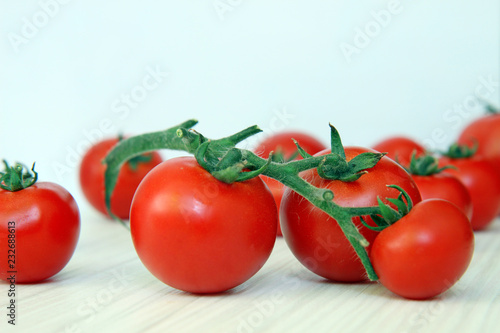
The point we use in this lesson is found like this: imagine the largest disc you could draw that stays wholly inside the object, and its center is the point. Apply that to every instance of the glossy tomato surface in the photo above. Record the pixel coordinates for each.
(484, 131)
(426, 252)
(400, 149)
(92, 178)
(482, 180)
(198, 234)
(282, 143)
(316, 240)
(447, 187)
(45, 221)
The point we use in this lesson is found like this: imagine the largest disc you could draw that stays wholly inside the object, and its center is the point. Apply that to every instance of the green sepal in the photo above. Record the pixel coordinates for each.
(334, 167)
(336, 142)
(426, 165)
(17, 177)
(388, 215)
(457, 151)
(300, 151)
(491, 109)
(377, 228)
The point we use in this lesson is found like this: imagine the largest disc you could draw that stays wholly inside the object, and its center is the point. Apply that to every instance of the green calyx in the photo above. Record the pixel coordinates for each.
(491, 109)
(426, 165)
(388, 215)
(17, 177)
(457, 151)
(336, 167)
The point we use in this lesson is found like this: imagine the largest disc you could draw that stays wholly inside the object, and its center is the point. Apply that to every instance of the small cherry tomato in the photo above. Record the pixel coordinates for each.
(198, 234)
(485, 132)
(426, 252)
(482, 181)
(39, 230)
(131, 173)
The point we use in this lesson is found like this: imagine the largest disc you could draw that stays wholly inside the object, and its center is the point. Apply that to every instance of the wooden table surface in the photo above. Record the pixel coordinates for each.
(105, 288)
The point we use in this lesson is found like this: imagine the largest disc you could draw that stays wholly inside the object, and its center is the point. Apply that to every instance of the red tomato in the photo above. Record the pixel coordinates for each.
(484, 131)
(400, 149)
(198, 234)
(316, 239)
(282, 143)
(447, 187)
(426, 252)
(92, 178)
(483, 182)
(45, 221)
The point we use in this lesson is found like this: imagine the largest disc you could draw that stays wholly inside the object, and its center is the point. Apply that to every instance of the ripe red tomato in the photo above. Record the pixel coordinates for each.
(400, 149)
(447, 187)
(315, 238)
(45, 223)
(483, 183)
(282, 143)
(426, 252)
(198, 234)
(131, 173)
(484, 131)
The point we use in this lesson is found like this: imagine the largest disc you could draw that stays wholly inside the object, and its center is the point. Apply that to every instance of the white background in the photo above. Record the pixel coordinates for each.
(65, 67)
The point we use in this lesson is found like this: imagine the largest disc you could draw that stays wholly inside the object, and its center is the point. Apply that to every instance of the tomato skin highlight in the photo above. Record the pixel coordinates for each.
(198, 234)
(483, 183)
(91, 176)
(400, 149)
(426, 252)
(282, 142)
(447, 187)
(47, 228)
(316, 240)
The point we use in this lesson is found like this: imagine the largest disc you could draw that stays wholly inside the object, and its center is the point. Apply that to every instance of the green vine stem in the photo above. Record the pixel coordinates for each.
(228, 164)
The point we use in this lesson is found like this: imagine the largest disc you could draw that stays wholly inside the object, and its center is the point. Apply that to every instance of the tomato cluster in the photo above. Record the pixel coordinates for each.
(206, 224)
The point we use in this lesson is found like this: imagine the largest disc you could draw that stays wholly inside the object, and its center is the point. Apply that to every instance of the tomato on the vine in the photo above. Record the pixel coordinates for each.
(132, 172)
(282, 144)
(400, 149)
(39, 227)
(198, 234)
(316, 239)
(426, 252)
